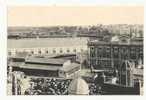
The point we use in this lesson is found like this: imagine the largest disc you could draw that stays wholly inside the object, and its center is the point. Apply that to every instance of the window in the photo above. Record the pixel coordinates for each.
(132, 53)
(124, 53)
(68, 50)
(104, 52)
(82, 50)
(137, 49)
(132, 50)
(107, 63)
(107, 49)
(61, 51)
(47, 52)
(39, 52)
(115, 52)
(141, 50)
(123, 50)
(108, 52)
(115, 49)
(32, 52)
(9, 53)
(92, 52)
(74, 50)
(99, 63)
(54, 51)
(100, 51)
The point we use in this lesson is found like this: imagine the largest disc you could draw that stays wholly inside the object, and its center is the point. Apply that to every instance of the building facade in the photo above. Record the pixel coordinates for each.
(110, 55)
(47, 46)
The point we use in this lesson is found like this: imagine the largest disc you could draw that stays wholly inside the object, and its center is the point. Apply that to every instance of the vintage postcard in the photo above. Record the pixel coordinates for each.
(75, 50)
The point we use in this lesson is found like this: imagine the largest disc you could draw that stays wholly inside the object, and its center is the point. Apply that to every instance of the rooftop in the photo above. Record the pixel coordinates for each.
(43, 67)
(40, 67)
(70, 67)
(34, 66)
(138, 71)
(115, 43)
(45, 60)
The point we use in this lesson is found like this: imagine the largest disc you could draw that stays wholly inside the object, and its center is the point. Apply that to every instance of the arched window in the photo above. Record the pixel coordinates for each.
(32, 52)
(115, 52)
(108, 53)
(47, 52)
(68, 50)
(92, 51)
(74, 50)
(54, 51)
(61, 51)
(39, 52)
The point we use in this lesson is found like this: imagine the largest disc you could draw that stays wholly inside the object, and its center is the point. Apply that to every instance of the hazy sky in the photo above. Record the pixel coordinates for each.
(74, 15)
(72, 2)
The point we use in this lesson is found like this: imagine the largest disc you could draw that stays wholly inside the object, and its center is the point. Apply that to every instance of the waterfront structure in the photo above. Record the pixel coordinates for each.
(46, 46)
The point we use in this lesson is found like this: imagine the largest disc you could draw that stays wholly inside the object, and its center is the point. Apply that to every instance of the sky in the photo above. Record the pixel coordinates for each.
(74, 15)
(83, 2)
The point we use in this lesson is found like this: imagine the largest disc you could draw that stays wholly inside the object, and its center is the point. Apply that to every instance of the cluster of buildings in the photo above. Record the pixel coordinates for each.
(56, 66)
(120, 57)
(23, 67)
(98, 30)
(136, 29)
(124, 57)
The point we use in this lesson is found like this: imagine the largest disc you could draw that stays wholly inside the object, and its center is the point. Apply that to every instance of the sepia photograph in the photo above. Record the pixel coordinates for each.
(75, 50)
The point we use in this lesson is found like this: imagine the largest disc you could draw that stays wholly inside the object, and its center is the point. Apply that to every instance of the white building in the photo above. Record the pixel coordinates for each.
(44, 46)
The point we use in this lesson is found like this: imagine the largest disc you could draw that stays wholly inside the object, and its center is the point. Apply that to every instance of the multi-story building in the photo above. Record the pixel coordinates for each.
(110, 55)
